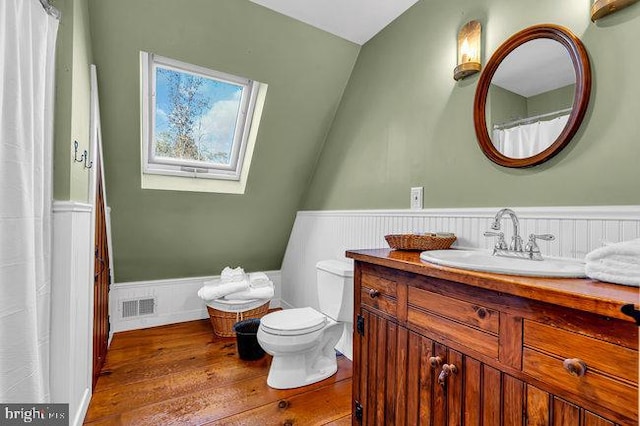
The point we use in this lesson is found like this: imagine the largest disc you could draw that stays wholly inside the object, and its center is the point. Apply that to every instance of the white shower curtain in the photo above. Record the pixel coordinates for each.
(27, 50)
(528, 140)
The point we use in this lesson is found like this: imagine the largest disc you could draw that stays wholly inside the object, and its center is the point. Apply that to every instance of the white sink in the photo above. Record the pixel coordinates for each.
(477, 260)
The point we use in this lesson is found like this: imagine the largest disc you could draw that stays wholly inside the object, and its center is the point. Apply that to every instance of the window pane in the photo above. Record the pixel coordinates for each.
(195, 117)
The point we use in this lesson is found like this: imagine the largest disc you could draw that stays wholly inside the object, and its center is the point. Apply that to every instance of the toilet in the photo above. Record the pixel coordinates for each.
(302, 340)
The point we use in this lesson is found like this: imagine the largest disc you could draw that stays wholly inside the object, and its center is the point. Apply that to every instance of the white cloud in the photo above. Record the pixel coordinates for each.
(162, 119)
(218, 125)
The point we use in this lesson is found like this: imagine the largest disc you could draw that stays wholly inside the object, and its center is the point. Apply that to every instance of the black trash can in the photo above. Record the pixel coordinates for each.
(247, 339)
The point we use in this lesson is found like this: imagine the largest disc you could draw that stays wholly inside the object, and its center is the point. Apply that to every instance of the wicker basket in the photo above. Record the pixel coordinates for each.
(223, 322)
(434, 241)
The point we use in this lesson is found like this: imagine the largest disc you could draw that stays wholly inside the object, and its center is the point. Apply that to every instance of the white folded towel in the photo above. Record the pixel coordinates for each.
(252, 293)
(259, 279)
(218, 290)
(232, 275)
(617, 263)
(212, 283)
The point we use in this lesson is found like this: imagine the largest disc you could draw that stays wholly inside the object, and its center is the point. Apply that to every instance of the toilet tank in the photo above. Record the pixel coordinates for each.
(335, 289)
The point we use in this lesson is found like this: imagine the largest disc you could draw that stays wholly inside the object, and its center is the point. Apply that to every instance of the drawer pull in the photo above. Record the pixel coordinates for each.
(482, 313)
(447, 370)
(373, 293)
(575, 367)
(435, 361)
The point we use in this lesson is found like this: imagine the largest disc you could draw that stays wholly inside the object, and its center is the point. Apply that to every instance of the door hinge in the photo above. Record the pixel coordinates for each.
(360, 325)
(358, 411)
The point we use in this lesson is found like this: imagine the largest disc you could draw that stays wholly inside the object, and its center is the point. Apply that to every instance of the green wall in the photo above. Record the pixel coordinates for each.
(73, 96)
(553, 100)
(403, 120)
(504, 106)
(165, 234)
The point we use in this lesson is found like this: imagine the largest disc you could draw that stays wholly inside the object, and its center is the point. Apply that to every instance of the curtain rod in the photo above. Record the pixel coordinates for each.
(529, 120)
(50, 9)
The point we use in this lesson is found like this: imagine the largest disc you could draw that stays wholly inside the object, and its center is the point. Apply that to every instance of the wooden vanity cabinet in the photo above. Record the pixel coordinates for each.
(432, 350)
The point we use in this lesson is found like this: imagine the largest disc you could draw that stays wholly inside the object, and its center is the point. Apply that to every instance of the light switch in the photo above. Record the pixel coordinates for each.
(416, 198)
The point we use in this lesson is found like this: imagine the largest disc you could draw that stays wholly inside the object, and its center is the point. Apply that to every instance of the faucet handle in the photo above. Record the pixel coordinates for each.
(532, 248)
(544, 237)
(501, 244)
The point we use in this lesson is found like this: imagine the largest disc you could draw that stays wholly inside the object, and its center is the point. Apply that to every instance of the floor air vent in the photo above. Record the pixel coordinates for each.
(138, 307)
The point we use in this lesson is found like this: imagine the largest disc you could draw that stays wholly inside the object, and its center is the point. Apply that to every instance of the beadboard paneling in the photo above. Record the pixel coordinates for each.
(318, 235)
(71, 307)
(176, 301)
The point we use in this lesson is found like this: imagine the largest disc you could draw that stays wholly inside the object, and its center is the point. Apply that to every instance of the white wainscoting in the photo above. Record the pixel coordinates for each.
(318, 235)
(72, 308)
(176, 301)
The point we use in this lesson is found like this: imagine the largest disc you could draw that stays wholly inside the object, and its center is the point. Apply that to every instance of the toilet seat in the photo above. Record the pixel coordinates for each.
(293, 322)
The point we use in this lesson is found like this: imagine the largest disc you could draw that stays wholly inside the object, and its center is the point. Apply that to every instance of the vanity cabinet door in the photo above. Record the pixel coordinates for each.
(404, 378)
(380, 354)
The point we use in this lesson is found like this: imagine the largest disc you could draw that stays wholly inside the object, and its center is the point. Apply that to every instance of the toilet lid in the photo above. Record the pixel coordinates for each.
(292, 322)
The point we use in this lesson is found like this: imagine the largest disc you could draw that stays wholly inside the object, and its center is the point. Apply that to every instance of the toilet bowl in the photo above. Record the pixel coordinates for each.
(302, 340)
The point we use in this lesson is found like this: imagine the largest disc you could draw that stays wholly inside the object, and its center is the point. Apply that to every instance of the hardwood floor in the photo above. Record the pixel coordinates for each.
(182, 374)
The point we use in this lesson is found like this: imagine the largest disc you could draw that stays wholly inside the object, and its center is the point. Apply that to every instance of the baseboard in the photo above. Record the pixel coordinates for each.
(83, 406)
(176, 301)
(286, 305)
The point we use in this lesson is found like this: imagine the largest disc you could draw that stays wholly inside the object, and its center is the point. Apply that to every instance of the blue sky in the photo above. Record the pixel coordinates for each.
(217, 122)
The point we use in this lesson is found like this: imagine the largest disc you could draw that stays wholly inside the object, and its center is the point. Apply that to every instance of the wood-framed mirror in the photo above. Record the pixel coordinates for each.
(532, 96)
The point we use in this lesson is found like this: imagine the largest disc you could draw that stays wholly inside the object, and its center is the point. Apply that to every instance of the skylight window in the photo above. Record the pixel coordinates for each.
(196, 121)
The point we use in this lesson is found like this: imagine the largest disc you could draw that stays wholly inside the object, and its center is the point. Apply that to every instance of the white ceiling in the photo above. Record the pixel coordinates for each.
(354, 20)
(538, 66)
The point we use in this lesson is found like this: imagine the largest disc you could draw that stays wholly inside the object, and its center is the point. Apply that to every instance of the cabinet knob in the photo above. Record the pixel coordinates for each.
(447, 370)
(373, 293)
(435, 361)
(482, 313)
(283, 403)
(574, 366)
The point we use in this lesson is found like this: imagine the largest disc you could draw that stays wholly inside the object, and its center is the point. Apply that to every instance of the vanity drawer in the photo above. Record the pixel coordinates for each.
(607, 358)
(594, 387)
(379, 293)
(385, 304)
(446, 331)
(383, 286)
(455, 309)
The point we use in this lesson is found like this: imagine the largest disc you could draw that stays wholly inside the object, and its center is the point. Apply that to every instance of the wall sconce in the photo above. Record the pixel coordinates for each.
(469, 50)
(603, 8)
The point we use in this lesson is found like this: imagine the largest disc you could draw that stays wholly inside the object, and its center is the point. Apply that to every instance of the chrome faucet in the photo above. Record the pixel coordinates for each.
(516, 240)
(530, 251)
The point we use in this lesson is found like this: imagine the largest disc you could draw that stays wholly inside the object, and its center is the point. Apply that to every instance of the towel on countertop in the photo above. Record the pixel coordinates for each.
(216, 289)
(252, 293)
(259, 279)
(617, 263)
(229, 274)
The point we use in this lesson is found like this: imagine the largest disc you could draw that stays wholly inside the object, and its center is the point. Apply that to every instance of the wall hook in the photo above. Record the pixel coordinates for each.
(83, 158)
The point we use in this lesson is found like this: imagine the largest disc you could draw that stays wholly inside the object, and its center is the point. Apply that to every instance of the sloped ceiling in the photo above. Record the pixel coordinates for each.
(537, 66)
(354, 20)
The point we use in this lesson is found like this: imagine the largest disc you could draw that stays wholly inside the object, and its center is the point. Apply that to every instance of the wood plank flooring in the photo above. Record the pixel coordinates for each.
(182, 374)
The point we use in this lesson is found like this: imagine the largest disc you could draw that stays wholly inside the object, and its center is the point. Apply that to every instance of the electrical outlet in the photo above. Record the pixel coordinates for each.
(416, 198)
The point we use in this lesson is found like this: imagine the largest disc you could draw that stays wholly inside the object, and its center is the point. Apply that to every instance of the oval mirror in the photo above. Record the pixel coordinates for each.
(532, 96)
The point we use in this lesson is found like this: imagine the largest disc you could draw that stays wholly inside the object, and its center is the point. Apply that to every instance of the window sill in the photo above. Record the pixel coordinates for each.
(178, 183)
